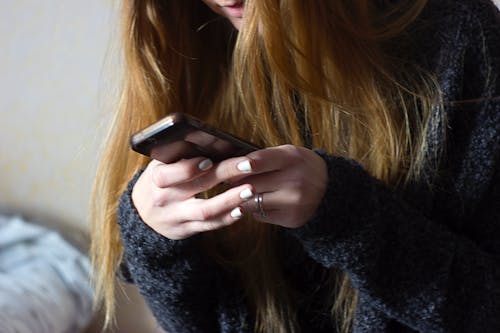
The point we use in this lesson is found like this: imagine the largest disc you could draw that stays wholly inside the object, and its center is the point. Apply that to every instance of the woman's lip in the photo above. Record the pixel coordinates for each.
(235, 10)
(231, 3)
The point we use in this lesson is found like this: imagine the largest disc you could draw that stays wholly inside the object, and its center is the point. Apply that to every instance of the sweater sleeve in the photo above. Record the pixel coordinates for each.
(404, 264)
(426, 270)
(186, 290)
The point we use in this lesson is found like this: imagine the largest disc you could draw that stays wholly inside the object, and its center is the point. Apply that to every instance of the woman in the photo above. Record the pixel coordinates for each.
(374, 209)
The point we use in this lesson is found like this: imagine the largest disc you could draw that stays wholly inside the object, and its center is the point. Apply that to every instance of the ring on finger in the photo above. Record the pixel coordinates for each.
(259, 203)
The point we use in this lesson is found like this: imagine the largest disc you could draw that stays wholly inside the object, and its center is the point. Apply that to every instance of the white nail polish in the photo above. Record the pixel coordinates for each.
(236, 213)
(246, 194)
(244, 166)
(205, 165)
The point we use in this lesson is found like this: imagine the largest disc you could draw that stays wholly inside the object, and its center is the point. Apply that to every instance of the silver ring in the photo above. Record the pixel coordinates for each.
(259, 201)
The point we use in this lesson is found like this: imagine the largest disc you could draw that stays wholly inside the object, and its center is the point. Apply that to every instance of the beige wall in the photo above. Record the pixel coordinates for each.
(53, 90)
(57, 81)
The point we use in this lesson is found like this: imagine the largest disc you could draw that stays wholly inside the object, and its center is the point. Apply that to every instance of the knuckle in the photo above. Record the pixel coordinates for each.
(200, 184)
(296, 197)
(205, 213)
(209, 226)
(231, 201)
(153, 164)
(297, 176)
(157, 176)
(291, 149)
(293, 152)
(164, 176)
(187, 171)
(158, 198)
(227, 172)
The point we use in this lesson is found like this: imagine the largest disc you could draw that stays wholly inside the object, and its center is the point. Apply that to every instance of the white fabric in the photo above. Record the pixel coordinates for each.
(44, 281)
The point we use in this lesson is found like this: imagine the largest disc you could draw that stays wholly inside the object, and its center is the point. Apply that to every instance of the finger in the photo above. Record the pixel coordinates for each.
(185, 190)
(268, 208)
(224, 220)
(276, 217)
(260, 161)
(220, 173)
(266, 182)
(257, 162)
(167, 175)
(174, 151)
(275, 158)
(176, 230)
(265, 204)
(190, 177)
(208, 209)
(284, 200)
(217, 212)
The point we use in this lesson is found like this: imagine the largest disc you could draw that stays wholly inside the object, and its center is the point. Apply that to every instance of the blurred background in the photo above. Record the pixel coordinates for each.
(58, 83)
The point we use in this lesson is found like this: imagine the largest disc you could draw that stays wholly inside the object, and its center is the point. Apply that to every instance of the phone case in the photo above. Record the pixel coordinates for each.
(179, 136)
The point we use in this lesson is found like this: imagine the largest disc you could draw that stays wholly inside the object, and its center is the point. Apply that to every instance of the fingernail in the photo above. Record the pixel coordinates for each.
(244, 166)
(246, 194)
(205, 165)
(236, 213)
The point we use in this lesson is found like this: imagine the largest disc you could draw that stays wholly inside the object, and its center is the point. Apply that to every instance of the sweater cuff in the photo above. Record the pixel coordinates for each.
(139, 240)
(340, 222)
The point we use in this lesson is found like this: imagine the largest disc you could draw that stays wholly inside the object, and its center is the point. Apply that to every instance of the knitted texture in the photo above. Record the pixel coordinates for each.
(426, 259)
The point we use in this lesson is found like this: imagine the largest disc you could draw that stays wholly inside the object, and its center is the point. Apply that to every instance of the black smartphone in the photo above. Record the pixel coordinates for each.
(178, 136)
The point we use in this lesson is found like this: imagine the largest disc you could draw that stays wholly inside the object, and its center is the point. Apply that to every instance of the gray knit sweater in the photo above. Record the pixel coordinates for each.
(424, 259)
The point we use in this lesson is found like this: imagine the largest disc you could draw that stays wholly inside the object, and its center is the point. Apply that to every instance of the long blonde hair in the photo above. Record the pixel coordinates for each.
(319, 75)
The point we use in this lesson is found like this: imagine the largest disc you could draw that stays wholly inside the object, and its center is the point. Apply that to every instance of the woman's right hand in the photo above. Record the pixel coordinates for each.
(165, 198)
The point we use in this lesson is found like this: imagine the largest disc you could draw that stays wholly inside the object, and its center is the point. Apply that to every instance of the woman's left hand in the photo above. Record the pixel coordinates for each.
(291, 181)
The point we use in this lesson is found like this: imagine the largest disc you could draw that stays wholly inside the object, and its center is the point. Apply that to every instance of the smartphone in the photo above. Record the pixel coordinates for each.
(178, 136)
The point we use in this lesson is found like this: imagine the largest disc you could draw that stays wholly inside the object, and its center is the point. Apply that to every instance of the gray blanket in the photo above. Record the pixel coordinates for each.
(44, 281)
